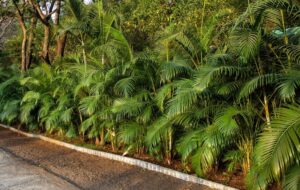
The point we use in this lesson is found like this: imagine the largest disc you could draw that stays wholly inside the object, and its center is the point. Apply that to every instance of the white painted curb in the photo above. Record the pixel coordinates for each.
(127, 160)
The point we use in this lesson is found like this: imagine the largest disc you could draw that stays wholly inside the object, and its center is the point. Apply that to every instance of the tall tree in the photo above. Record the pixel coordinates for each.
(62, 38)
(45, 9)
(20, 11)
(31, 35)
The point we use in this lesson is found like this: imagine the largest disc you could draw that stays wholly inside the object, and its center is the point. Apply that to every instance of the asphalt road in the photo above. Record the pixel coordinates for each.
(27, 163)
(15, 174)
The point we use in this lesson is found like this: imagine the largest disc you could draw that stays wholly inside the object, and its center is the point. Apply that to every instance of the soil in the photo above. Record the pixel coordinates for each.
(87, 171)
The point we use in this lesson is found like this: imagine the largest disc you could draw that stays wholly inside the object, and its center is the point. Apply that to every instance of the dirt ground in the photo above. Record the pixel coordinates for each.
(86, 171)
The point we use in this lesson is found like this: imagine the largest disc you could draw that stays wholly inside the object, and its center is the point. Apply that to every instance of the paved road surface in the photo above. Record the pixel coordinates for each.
(28, 162)
(16, 174)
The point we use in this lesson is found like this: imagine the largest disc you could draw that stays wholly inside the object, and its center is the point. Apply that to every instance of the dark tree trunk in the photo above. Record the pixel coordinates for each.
(44, 16)
(46, 44)
(30, 42)
(61, 39)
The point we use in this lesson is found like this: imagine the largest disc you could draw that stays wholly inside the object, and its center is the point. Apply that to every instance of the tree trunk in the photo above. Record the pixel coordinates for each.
(266, 108)
(60, 45)
(46, 42)
(44, 16)
(97, 141)
(57, 13)
(30, 41)
(84, 57)
(21, 22)
(170, 146)
(102, 136)
(23, 51)
(61, 39)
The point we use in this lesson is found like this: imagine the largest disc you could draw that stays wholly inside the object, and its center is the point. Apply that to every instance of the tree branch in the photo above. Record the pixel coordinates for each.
(39, 11)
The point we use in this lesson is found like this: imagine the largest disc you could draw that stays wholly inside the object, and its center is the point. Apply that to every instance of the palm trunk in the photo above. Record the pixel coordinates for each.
(170, 144)
(102, 59)
(81, 120)
(97, 141)
(266, 108)
(102, 136)
(113, 139)
(84, 59)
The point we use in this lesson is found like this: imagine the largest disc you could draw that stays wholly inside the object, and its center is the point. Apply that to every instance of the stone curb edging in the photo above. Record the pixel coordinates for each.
(127, 160)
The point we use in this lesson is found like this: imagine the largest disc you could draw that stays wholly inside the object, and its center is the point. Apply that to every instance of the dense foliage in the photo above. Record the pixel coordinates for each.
(212, 83)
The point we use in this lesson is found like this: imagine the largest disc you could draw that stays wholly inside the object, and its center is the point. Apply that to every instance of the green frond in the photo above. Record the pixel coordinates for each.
(185, 96)
(234, 158)
(28, 81)
(26, 109)
(293, 51)
(289, 84)
(187, 144)
(125, 87)
(246, 43)
(258, 82)
(173, 69)
(156, 131)
(46, 105)
(207, 74)
(163, 94)
(76, 8)
(89, 122)
(225, 121)
(71, 133)
(127, 107)
(7, 84)
(66, 116)
(31, 96)
(195, 116)
(203, 163)
(186, 44)
(263, 5)
(292, 178)
(130, 133)
(89, 104)
(277, 147)
(10, 111)
(229, 88)
(146, 115)
(52, 121)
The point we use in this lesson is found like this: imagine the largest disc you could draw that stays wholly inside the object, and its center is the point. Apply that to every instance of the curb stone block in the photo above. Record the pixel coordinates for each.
(127, 160)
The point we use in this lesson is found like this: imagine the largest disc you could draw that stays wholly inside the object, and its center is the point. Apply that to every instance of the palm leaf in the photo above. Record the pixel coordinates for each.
(278, 147)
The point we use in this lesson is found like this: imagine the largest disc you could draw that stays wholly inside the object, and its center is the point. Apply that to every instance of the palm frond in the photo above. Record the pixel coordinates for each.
(292, 178)
(277, 147)
(156, 131)
(258, 82)
(125, 87)
(189, 143)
